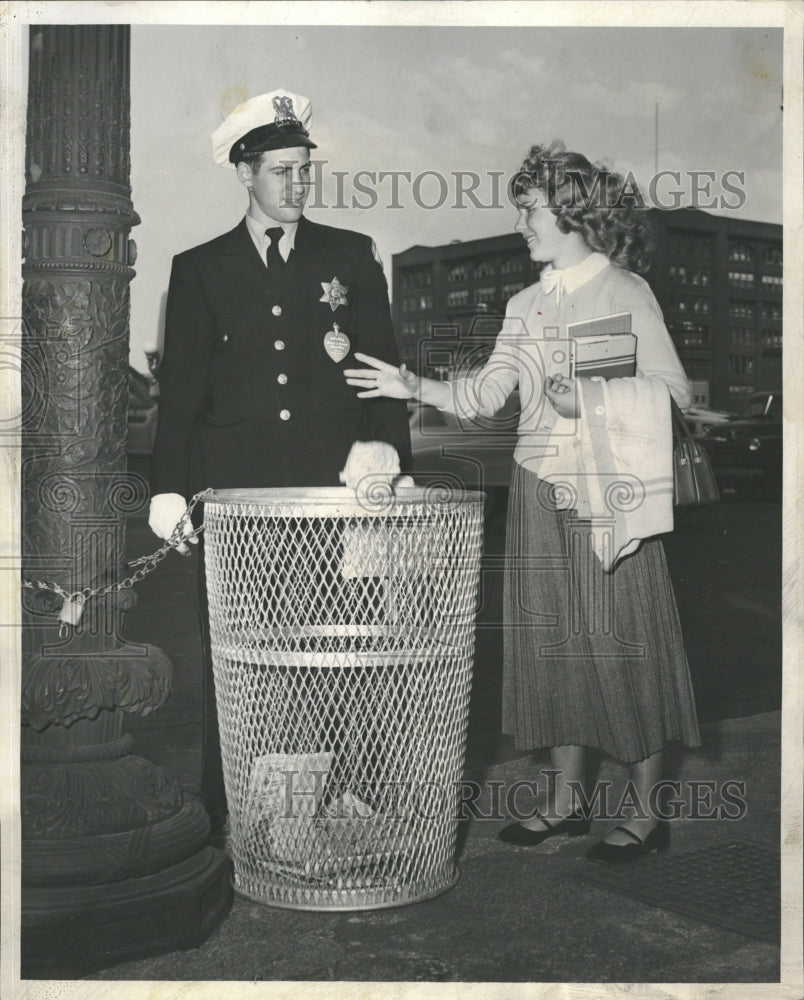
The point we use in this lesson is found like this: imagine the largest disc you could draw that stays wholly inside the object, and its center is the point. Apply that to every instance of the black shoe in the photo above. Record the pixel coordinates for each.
(574, 825)
(657, 840)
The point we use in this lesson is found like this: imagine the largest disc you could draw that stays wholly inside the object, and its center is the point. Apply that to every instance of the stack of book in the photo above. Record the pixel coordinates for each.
(604, 346)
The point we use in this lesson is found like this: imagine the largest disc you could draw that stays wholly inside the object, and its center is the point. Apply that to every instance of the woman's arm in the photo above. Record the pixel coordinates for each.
(382, 379)
(656, 355)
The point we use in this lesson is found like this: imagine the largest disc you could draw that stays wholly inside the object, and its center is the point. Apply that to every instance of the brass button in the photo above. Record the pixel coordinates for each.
(279, 345)
(284, 414)
(277, 310)
(282, 379)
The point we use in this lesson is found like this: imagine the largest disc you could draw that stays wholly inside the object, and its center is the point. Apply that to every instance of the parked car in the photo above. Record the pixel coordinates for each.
(700, 418)
(465, 455)
(746, 451)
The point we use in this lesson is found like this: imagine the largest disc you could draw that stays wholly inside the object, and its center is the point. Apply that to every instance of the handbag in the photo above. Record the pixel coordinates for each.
(694, 482)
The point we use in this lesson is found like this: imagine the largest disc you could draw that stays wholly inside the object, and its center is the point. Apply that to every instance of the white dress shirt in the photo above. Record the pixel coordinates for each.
(261, 240)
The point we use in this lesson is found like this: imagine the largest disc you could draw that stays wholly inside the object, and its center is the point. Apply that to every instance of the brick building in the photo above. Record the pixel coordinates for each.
(717, 279)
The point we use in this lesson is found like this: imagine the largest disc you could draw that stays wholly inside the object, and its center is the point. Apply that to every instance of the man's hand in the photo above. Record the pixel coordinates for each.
(165, 513)
(370, 463)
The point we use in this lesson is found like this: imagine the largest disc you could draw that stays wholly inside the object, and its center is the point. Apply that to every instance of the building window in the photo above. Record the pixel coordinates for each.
(458, 298)
(511, 290)
(417, 279)
(415, 303)
(772, 255)
(457, 273)
(700, 276)
(678, 274)
(741, 364)
(771, 310)
(700, 392)
(692, 304)
(486, 293)
(513, 265)
(689, 334)
(772, 338)
(741, 309)
(742, 335)
(741, 279)
(485, 269)
(772, 282)
(692, 340)
(741, 252)
(687, 247)
(740, 391)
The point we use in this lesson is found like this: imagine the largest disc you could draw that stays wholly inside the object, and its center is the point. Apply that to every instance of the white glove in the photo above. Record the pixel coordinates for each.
(165, 512)
(370, 463)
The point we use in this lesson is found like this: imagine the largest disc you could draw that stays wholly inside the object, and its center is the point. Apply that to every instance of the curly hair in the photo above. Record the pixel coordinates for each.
(606, 209)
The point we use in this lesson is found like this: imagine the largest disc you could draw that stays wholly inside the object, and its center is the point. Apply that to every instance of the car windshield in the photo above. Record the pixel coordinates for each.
(763, 406)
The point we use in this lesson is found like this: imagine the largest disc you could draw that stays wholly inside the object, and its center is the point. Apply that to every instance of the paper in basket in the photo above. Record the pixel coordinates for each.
(284, 794)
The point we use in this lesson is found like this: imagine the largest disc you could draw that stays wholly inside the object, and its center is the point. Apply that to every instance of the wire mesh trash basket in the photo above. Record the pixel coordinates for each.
(342, 633)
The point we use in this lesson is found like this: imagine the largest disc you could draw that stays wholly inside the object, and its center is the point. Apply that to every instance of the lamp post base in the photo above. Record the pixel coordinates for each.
(71, 931)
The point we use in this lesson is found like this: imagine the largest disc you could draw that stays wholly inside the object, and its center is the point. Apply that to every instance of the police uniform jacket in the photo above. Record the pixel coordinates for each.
(249, 396)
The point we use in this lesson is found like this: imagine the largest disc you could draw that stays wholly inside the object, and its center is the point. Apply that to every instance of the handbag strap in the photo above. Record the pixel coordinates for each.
(681, 431)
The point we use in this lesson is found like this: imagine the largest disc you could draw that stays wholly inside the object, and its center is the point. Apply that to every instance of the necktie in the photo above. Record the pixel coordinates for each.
(273, 258)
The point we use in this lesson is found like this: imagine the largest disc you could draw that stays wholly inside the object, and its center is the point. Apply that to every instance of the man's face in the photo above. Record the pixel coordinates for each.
(279, 189)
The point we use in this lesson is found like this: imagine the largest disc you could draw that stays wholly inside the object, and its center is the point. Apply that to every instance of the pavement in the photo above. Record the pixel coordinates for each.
(517, 915)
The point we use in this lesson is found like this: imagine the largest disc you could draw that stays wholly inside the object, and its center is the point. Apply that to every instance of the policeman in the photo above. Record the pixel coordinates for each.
(260, 324)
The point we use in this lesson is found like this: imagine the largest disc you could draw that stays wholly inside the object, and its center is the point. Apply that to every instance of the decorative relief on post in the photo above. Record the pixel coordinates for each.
(97, 242)
(64, 689)
(97, 797)
(78, 351)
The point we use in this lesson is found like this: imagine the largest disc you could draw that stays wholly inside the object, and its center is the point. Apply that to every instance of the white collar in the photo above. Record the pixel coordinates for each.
(566, 279)
(257, 231)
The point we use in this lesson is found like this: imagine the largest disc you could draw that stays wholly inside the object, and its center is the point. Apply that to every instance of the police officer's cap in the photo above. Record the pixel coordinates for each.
(278, 120)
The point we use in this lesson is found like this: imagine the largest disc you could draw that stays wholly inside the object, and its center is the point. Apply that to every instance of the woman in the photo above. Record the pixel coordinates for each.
(593, 648)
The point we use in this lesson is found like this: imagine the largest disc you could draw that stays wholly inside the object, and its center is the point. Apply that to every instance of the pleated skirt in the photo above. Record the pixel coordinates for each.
(592, 659)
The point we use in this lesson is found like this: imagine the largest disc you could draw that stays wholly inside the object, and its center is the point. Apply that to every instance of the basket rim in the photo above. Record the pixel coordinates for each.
(343, 495)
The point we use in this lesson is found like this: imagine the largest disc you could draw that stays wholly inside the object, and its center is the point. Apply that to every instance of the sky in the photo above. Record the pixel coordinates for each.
(435, 102)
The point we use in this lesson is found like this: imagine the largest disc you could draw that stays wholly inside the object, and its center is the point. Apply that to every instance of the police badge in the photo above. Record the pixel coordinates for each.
(334, 293)
(283, 106)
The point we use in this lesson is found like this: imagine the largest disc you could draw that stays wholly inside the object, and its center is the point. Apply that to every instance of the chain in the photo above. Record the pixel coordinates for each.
(148, 563)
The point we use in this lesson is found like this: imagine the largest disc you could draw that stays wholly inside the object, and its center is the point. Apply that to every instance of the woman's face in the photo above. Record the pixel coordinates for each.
(538, 226)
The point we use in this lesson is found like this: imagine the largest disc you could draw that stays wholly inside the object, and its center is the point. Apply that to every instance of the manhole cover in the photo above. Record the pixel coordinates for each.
(732, 883)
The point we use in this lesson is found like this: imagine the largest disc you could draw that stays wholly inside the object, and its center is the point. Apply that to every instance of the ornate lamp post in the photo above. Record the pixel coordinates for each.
(114, 862)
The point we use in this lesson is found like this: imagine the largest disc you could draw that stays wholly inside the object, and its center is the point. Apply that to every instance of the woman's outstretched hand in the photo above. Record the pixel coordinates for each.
(382, 379)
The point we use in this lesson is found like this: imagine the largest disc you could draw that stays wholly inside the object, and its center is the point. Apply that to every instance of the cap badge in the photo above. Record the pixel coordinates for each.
(334, 293)
(283, 106)
(336, 344)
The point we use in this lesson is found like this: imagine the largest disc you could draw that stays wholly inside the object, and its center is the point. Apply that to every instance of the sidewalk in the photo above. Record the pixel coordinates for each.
(517, 914)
